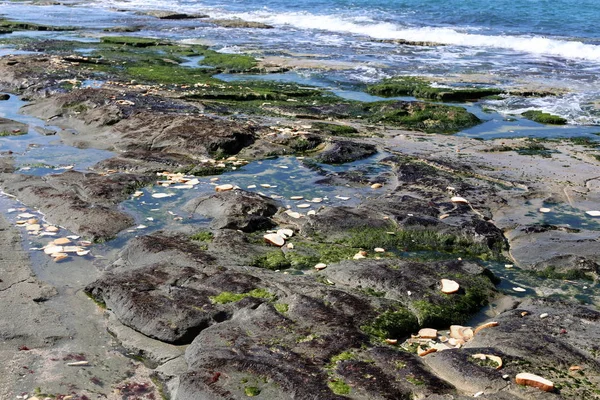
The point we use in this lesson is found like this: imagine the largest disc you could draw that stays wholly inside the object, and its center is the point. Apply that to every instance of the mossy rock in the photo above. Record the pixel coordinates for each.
(455, 308)
(414, 240)
(544, 118)
(133, 41)
(229, 62)
(392, 324)
(229, 297)
(335, 129)
(272, 260)
(429, 118)
(422, 89)
(9, 26)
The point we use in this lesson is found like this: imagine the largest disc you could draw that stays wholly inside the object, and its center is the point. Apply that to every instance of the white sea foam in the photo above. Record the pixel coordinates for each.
(367, 26)
(576, 108)
(527, 44)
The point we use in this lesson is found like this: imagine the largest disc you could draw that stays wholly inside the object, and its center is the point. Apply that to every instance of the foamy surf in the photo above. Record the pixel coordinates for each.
(367, 25)
(567, 49)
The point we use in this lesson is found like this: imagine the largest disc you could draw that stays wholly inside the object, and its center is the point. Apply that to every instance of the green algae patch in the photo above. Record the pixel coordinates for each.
(335, 129)
(281, 308)
(229, 62)
(12, 133)
(421, 240)
(229, 297)
(202, 236)
(544, 118)
(339, 387)
(551, 272)
(425, 117)
(443, 310)
(273, 260)
(422, 89)
(392, 324)
(133, 41)
(167, 74)
(305, 255)
(251, 391)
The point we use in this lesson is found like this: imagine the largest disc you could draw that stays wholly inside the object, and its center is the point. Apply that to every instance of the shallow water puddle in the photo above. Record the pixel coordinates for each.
(43, 153)
(565, 215)
(284, 179)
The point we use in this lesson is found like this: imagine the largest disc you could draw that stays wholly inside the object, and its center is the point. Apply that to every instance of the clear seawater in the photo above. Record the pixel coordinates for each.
(519, 42)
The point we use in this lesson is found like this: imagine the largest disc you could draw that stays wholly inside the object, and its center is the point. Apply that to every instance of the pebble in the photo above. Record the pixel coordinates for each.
(79, 364)
(519, 289)
(342, 198)
(593, 213)
(311, 212)
(274, 239)
(61, 241)
(293, 214)
(376, 186)
(428, 333)
(224, 188)
(449, 286)
(296, 197)
(458, 199)
(304, 205)
(544, 315)
(379, 250)
(320, 266)
(545, 210)
(162, 195)
(59, 257)
(251, 186)
(285, 233)
(26, 215)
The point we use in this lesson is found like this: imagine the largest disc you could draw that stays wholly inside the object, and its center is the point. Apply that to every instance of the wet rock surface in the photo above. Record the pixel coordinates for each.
(236, 209)
(223, 314)
(340, 152)
(84, 203)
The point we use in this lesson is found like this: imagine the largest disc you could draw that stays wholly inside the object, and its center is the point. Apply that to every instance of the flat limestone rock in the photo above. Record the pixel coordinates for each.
(84, 203)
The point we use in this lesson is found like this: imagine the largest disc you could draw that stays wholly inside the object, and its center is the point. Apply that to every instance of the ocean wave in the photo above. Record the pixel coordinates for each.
(387, 30)
(576, 108)
(367, 25)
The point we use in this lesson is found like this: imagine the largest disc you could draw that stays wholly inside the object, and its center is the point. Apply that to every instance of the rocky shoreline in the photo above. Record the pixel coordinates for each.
(346, 306)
